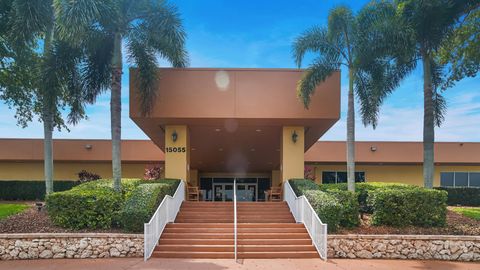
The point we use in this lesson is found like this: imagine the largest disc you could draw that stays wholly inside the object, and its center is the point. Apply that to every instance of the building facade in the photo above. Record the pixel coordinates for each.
(210, 126)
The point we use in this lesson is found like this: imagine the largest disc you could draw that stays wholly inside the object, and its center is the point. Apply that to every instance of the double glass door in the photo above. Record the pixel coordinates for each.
(223, 192)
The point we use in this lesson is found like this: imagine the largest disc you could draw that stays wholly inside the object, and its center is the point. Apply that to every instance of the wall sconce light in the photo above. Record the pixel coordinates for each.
(373, 148)
(174, 136)
(294, 136)
(88, 146)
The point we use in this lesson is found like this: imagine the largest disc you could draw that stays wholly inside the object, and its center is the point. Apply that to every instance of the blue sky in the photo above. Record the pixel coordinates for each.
(259, 34)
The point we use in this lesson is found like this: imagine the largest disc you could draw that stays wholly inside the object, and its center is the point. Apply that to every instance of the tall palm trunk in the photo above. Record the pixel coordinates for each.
(48, 151)
(48, 117)
(116, 111)
(428, 123)
(351, 133)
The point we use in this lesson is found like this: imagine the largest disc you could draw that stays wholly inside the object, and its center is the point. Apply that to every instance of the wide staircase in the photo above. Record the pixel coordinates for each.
(206, 230)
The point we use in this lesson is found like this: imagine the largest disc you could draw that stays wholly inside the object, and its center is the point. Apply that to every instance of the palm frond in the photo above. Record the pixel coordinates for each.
(321, 68)
(31, 18)
(96, 67)
(75, 18)
(160, 26)
(314, 40)
(147, 76)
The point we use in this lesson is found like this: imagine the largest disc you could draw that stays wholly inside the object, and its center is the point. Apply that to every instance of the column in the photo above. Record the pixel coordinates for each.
(292, 152)
(177, 152)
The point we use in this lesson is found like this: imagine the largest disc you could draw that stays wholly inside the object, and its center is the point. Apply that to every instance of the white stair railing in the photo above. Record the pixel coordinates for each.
(165, 213)
(235, 216)
(303, 213)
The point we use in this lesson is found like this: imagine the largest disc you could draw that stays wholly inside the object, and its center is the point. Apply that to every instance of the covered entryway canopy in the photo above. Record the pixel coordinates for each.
(235, 118)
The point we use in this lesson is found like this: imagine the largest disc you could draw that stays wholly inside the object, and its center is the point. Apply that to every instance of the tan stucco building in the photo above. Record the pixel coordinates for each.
(209, 126)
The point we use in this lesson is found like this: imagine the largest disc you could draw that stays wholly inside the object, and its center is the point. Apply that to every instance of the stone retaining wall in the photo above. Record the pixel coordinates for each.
(70, 245)
(424, 247)
(104, 245)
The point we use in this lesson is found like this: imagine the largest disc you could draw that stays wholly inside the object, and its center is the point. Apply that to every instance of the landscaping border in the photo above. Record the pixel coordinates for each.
(106, 245)
(421, 247)
(69, 245)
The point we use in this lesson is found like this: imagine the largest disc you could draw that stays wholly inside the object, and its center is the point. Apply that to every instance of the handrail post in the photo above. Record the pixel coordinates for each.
(235, 216)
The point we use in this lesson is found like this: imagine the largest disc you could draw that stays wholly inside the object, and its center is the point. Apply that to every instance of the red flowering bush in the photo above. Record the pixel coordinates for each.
(153, 173)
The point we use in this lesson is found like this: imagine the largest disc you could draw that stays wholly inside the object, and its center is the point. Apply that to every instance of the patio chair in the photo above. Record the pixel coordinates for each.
(193, 194)
(276, 194)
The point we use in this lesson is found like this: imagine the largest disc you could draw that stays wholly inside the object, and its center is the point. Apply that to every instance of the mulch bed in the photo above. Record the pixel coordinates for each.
(457, 224)
(32, 221)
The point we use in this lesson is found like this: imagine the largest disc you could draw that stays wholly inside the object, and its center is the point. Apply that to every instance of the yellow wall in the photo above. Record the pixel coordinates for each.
(177, 163)
(408, 174)
(67, 170)
(292, 153)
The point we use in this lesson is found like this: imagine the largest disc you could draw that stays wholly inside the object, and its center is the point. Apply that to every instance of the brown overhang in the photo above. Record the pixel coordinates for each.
(394, 152)
(321, 152)
(234, 112)
(79, 150)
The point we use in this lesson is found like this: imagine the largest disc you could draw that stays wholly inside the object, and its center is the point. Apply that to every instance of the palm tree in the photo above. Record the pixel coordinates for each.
(148, 29)
(42, 73)
(344, 42)
(416, 30)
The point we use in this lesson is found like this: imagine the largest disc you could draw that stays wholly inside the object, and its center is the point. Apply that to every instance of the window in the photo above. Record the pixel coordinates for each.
(475, 179)
(460, 179)
(446, 179)
(330, 177)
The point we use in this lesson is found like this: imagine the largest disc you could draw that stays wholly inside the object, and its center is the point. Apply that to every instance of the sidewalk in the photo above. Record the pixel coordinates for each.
(197, 264)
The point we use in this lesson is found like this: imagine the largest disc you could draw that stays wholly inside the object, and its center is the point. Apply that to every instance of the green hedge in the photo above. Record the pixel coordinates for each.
(327, 207)
(96, 205)
(84, 208)
(363, 189)
(30, 190)
(140, 207)
(350, 208)
(467, 196)
(349, 216)
(299, 186)
(412, 206)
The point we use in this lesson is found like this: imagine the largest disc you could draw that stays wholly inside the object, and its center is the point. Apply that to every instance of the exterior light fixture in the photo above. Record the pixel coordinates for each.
(174, 136)
(373, 148)
(88, 146)
(294, 136)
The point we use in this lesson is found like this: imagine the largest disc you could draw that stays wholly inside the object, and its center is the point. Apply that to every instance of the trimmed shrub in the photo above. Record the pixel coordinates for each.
(142, 204)
(327, 207)
(409, 206)
(350, 207)
(363, 189)
(30, 190)
(84, 208)
(467, 196)
(299, 186)
(128, 185)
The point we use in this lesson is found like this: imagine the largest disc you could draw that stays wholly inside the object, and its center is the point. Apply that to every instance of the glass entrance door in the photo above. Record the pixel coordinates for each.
(247, 192)
(223, 192)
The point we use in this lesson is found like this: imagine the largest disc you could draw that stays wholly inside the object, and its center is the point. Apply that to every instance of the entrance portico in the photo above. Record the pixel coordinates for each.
(215, 125)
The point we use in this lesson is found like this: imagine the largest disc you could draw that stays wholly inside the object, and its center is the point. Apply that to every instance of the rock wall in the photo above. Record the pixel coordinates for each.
(104, 245)
(74, 245)
(424, 247)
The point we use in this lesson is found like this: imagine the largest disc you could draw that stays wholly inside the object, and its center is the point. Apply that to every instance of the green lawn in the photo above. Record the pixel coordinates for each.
(9, 209)
(471, 212)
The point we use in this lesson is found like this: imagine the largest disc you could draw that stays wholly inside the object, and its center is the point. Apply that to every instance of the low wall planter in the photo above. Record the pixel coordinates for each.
(69, 245)
(421, 247)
